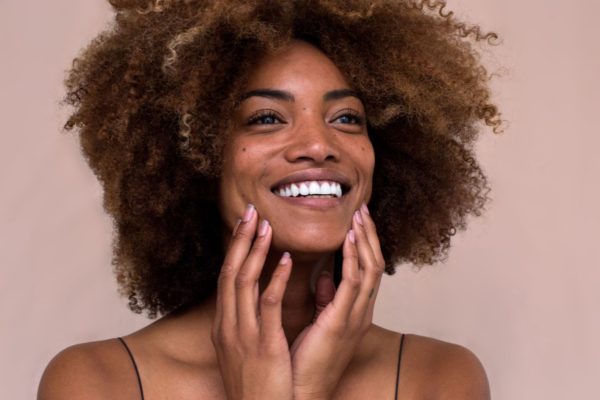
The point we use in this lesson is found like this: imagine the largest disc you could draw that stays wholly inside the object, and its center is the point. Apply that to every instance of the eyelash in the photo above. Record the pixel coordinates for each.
(260, 115)
(270, 113)
(353, 114)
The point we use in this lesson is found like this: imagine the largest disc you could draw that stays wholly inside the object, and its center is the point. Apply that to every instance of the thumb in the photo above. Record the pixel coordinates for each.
(324, 292)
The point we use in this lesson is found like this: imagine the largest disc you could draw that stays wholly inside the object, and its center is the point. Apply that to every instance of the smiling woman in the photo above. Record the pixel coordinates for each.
(265, 163)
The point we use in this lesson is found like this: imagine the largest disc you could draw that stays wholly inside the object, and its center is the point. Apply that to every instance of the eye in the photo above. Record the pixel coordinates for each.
(264, 117)
(350, 116)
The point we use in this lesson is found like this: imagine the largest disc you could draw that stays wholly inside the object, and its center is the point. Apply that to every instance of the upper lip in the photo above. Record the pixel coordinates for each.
(315, 175)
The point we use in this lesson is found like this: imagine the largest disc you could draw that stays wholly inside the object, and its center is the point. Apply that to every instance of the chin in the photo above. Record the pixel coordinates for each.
(307, 241)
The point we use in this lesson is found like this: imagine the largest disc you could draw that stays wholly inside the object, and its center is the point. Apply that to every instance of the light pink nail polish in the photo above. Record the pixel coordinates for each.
(285, 258)
(248, 213)
(235, 228)
(351, 236)
(264, 225)
(364, 208)
(358, 217)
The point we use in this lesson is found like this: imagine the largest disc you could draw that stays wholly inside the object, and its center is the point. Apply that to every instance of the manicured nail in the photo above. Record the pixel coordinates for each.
(264, 225)
(364, 208)
(325, 273)
(249, 212)
(284, 258)
(358, 217)
(351, 236)
(235, 228)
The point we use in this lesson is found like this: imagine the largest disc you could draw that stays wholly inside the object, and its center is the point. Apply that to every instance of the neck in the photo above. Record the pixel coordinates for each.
(298, 305)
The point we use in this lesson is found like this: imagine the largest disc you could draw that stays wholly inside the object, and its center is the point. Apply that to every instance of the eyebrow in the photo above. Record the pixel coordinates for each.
(287, 96)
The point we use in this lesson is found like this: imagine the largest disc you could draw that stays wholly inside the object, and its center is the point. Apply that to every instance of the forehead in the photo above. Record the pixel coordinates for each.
(298, 66)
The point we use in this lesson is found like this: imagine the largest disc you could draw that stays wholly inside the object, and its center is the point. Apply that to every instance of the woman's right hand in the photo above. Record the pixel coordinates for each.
(248, 336)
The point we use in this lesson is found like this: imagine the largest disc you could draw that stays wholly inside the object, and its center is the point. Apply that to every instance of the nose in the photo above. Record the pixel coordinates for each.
(312, 141)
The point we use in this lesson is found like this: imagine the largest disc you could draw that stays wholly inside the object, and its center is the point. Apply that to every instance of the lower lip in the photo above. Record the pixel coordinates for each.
(318, 203)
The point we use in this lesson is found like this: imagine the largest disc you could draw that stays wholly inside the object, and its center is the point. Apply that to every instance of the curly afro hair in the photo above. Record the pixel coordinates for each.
(148, 95)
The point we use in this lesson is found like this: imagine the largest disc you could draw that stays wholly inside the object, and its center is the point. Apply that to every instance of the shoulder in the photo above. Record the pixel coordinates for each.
(429, 368)
(94, 370)
(451, 370)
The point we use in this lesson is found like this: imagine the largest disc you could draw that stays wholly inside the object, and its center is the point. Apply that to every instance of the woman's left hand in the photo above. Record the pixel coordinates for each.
(323, 350)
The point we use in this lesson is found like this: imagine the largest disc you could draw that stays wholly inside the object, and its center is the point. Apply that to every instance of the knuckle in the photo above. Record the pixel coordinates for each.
(338, 330)
(279, 275)
(227, 270)
(220, 337)
(269, 299)
(259, 245)
(243, 280)
(354, 282)
(353, 257)
(243, 232)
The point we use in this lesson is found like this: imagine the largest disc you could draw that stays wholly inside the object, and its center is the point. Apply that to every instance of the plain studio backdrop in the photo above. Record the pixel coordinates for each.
(520, 287)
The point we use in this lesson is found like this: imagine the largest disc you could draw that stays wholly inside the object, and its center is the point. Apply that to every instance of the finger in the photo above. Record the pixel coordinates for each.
(349, 286)
(270, 301)
(373, 237)
(247, 278)
(324, 292)
(368, 264)
(235, 228)
(369, 225)
(225, 311)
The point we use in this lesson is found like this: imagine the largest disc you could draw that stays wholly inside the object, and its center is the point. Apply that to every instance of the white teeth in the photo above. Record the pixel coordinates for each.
(308, 188)
(304, 189)
(314, 188)
(295, 190)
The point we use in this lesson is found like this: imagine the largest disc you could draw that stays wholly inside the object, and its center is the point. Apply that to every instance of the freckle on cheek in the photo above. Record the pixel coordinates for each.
(244, 149)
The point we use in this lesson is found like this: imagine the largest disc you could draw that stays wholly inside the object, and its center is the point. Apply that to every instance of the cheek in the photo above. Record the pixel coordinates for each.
(243, 170)
(234, 172)
(366, 163)
(367, 158)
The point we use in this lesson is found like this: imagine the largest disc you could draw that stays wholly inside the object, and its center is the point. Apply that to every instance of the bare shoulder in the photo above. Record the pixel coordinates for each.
(94, 370)
(452, 371)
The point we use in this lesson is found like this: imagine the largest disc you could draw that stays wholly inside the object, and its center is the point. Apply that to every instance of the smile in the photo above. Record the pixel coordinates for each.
(313, 189)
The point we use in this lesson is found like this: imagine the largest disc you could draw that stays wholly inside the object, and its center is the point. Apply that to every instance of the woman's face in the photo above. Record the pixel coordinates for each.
(298, 128)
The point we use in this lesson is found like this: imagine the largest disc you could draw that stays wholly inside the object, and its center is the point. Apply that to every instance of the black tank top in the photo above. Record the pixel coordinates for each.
(137, 372)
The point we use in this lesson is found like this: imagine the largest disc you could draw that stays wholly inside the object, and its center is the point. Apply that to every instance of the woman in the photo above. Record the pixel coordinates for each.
(239, 144)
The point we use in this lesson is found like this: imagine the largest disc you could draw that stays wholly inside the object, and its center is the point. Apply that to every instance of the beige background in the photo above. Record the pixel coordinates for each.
(520, 287)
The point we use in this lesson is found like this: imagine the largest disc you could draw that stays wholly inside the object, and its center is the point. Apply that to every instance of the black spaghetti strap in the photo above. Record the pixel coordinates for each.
(137, 373)
(398, 367)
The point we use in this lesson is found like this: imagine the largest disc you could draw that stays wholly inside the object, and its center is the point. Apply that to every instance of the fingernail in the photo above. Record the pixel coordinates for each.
(358, 217)
(351, 236)
(249, 212)
(264, 225)
(325, 273)
(364, 208)
(284, 258)
(235, 228)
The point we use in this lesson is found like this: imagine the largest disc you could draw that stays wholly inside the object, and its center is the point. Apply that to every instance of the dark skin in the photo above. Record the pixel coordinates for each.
(276, 325)
(305, 130)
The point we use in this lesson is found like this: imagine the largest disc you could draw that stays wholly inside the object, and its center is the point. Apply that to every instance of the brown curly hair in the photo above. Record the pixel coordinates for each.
(150, 93)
